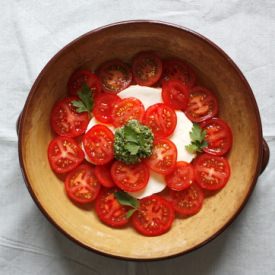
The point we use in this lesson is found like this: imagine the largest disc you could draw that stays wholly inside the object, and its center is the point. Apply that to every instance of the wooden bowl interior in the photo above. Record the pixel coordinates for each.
(123, 41)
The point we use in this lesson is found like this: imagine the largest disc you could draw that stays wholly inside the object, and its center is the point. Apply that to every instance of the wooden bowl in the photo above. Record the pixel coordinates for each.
(214, 69)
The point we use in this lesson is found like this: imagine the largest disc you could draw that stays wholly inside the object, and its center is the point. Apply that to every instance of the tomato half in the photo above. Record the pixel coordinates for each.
(109, 210)
(98, 144)
(154, 216)
(147, 68)
(115, 76)
(81, 77)
(81, 184)
(218, 136)
(181, 177)
(211, 172)
(103, 174)
(64, 154)
(187, 202)
(65, 121)
(104, 106)
(175, 94)
(179, 70)
(130, 178)
(161, 119)
(164, 156)
(202, 105)
(127, 109)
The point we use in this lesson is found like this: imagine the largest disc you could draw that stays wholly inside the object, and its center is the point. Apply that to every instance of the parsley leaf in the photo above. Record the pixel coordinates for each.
(132, 147)
(198, 141)
(127, 200)
(86, 102)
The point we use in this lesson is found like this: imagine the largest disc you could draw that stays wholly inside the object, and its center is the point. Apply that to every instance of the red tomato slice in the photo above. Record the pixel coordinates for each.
(179, 70)
(154, 216)
(164, 157)
(161, 119)
(147, 68)
(187, 202)
(81, 184)
(103, 173)
(64, 154)
(98, 144)
(115, 76)
(65, 121)
(127, 109)
(175, 94)
(202, 105)
(211, 172)
(130, 178)
(218, 136)
(181, 177)
(109, 210)
(81, 77)
(103, 108)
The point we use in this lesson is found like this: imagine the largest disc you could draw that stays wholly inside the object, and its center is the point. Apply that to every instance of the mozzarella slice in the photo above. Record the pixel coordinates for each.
(149, 96)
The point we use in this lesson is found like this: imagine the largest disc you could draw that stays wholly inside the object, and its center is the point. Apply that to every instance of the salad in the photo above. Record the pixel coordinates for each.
(142, 141)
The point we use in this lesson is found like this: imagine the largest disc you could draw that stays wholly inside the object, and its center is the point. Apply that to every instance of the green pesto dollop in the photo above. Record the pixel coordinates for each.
(133, 142)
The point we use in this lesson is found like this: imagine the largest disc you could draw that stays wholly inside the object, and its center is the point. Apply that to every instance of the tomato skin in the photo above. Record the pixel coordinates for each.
(115, 76)
(218, 136)
(127, 109)
(65, 121)
(211, 172)
(64, 154)
(161, 119)
(202, 105)
(147, 68)
(103, 174)
(80, 77)
(188, 201)
(98, 144)
(181, 177)
(178, 70)
(164, 157)
(109, 210)
(130, 178)
(175, 94)
(81, 184)
(103, 108)
(154, 216)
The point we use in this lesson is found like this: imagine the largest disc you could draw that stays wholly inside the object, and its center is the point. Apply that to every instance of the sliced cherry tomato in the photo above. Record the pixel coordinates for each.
(65, 121)
(187, 202)
(103, 173)
(181, 177)
(109, 210)
(130, 178)
(178, 69)
(64, 154)
(104, 106)
(98, 144)
(175, 94)
(202, 105)
(218, 136)
(164, 157)
(161, 119)
(81, 184)
(211, 172)
(154, 216)
(115, 76)
(147, 68)
(126, 109)
(81, 77)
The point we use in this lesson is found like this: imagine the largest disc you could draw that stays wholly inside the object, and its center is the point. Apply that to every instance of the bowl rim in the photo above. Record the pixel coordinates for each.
(21, 119)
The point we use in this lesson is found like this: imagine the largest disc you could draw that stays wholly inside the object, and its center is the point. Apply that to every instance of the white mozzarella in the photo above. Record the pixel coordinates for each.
(149, 96)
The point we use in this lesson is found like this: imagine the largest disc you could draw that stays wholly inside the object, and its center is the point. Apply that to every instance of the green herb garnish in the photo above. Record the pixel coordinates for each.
(86, 102)
(198, 141)
(127, 200)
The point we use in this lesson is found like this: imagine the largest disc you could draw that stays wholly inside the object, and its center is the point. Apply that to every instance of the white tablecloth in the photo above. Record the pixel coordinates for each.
(32, 32)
